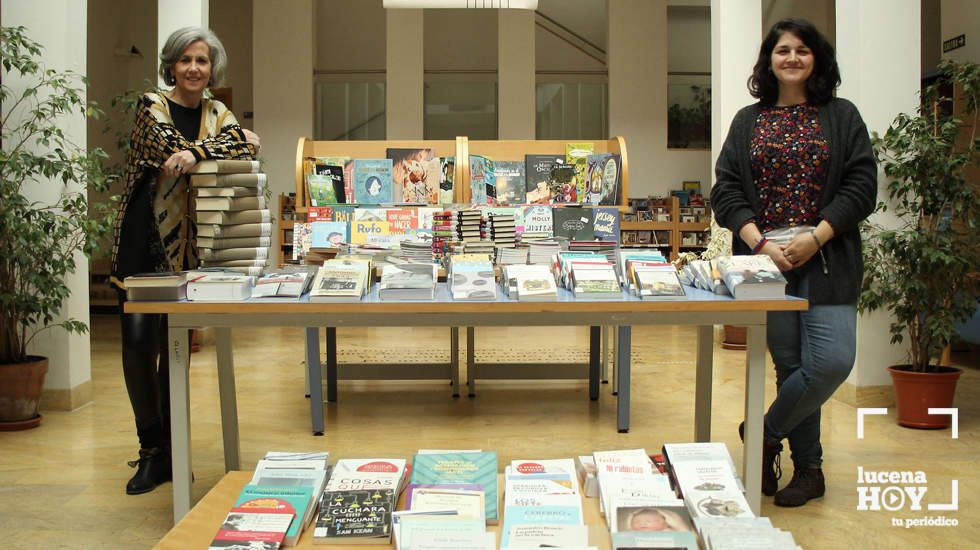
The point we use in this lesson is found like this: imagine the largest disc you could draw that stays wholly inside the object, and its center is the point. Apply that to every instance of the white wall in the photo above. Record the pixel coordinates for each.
(350, 35)
(818, 12)
(282, 81)
(228, 19)
(59, 25)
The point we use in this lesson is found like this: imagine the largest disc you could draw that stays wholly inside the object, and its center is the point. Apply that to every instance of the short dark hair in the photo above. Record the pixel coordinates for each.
(826, 74)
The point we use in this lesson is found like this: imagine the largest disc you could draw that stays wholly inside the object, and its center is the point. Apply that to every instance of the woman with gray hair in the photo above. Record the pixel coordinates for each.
(153, 232)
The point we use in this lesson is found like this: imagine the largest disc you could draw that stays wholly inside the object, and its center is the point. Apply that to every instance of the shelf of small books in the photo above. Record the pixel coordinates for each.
(687, 496)
(663, 222)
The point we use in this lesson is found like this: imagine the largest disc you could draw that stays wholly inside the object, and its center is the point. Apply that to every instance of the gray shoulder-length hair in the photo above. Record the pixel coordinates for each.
(179, 41)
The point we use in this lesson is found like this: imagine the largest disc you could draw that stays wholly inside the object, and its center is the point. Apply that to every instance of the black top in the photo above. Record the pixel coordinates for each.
(187, 121)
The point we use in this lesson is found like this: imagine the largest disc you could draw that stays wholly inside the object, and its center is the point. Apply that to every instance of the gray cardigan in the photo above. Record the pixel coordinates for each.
(848, 197)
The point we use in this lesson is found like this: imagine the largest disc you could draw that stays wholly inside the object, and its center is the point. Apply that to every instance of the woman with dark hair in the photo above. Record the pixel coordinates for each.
(153, 232)
(795, 177)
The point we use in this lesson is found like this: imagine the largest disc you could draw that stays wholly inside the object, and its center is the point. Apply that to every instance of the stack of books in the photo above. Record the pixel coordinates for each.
(469, 225)
(344, 279)
(533, 282)
(404, 281)
(234, 226)
(502, 229)
(275, 507)
(472, 279)
(542, 505)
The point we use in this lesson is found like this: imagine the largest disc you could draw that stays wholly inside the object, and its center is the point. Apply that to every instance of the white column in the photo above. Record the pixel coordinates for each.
(282, 80)
(404, 99)
(881, 86)
(736, 33)
(516, 75)
(637, 61)
(175, 14)
(60, 26)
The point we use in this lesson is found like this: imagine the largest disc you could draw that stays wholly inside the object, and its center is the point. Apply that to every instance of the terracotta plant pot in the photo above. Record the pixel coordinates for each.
(916, 392)
(20, 393)
(735, 337)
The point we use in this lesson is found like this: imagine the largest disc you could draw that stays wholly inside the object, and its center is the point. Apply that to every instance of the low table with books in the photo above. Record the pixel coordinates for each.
(700, 308)
(197, 528)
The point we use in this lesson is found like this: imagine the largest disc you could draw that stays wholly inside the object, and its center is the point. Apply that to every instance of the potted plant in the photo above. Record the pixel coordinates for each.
(41, 233)
(920, 270)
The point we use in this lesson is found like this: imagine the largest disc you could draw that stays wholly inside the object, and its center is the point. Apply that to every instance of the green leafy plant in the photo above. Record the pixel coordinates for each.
(920, 270)
(41, 236)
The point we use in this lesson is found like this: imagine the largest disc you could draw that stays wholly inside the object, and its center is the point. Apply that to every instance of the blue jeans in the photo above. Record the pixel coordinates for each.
(813, 352)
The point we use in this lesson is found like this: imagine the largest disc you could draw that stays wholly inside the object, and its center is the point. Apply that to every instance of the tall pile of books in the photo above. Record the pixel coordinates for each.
(234, 226)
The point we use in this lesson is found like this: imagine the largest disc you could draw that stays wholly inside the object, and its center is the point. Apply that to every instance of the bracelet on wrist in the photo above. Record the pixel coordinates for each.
(813, 233)
(758, 246)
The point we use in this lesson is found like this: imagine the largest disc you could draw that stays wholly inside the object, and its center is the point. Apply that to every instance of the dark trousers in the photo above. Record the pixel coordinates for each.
(146, 369)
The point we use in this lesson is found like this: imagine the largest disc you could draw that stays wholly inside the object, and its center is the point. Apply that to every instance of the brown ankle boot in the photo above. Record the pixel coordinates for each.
(806, 484)
(771, 469)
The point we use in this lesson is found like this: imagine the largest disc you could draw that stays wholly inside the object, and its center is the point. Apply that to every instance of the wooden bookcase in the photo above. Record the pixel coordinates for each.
(675, 227)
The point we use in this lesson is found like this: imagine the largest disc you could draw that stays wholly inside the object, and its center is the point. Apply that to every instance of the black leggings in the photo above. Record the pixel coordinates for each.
(146, 368)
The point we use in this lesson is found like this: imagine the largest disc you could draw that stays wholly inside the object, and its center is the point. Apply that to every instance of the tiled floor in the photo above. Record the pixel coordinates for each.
(61, 485)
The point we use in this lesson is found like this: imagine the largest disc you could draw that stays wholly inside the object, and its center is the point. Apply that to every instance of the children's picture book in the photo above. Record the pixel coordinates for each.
(537, 177)
(605, 223)
(372, 181)
(447, 175)
(321, 189)
(329, 234)
(577, 155)
(603, 175)
(509, 180)
(416, 174)
(482, 184)
(573, 223)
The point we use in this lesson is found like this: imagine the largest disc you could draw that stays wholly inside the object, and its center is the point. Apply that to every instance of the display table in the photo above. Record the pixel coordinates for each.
(700, 308)
(199, 526)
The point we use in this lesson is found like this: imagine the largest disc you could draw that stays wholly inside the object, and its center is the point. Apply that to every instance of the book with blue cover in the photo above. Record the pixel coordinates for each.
(605, 223)
(479, 468)
(372, 181)
(329, 234)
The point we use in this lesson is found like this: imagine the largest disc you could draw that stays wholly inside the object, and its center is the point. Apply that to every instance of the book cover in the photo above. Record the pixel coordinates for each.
(355, 513)
(262, 524)
(651, 517)
(603, 175)
(229, 180)
(509, 180)
(231, 203)
(447, 175)
(538, 183)
(225, 166)
(416, 173)
(538, 219)
(333, 168)
(605, 223)
(577, 155)
(482, 185)
(659, 283)
(321, 189)
(682, 540)
(299, 499)
(329, 234)
(573, 223)
(479, 468)
(233, 218)
(227, 191)
(372, 181)
(749, 277)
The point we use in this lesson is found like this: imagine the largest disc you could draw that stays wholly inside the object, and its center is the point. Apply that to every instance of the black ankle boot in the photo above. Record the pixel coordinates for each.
(771, 469)
(806, 484)
(152, 468)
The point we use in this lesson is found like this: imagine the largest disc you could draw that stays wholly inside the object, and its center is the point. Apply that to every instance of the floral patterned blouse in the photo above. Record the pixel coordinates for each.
(789, 165)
